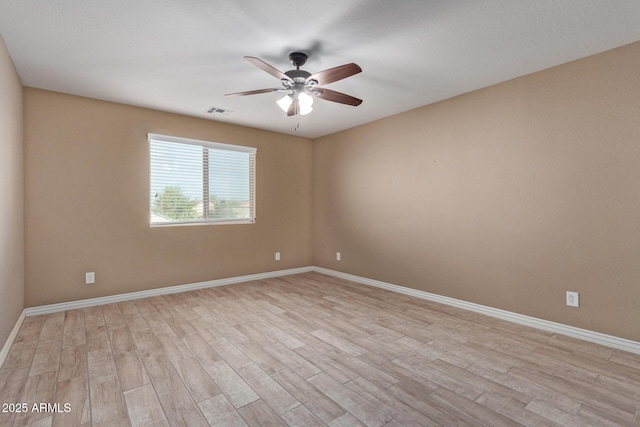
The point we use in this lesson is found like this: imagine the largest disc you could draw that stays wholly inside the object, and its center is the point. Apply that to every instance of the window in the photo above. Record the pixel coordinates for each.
(195, 182)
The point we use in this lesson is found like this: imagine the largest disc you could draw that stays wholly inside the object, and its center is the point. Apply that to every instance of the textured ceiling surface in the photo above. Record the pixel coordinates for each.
(183, 56)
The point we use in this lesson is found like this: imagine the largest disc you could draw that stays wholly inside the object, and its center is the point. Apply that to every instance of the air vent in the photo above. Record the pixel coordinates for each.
(217, 110)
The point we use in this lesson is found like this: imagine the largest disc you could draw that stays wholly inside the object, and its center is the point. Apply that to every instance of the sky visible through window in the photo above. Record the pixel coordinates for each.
(228, 171)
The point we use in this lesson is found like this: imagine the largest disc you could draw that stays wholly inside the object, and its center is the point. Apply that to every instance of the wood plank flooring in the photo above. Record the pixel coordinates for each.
(307, 350)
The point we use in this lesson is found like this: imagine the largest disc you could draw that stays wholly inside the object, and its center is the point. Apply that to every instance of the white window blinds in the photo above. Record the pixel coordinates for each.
(194, 181)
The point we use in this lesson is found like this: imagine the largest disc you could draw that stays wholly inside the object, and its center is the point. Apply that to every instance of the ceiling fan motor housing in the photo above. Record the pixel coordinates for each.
(295, 75)
(299, 78)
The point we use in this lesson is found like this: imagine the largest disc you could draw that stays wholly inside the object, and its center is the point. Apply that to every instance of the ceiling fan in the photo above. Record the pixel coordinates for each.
(301, 86)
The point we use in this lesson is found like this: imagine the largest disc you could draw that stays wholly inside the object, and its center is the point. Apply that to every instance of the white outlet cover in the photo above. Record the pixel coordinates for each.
(90, 278)
(277, 256)
(573, 299)
(338, 256)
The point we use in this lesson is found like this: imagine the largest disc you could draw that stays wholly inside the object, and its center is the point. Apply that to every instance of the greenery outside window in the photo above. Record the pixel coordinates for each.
(194, 182)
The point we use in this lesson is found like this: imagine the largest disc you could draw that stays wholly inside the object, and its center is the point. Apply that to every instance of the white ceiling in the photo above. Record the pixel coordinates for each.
(183, 56)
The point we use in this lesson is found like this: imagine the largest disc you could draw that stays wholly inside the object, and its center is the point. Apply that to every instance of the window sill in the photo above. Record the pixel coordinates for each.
(191, 223)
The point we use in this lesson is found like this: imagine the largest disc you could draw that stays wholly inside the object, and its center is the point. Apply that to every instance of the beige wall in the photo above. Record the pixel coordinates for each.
(507, 197)
(87, 207)
(11, 195)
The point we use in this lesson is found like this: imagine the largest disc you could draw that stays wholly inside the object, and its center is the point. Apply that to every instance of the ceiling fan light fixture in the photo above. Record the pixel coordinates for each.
(305, 102)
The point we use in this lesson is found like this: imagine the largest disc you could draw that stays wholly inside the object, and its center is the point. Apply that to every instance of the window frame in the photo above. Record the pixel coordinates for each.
(251, 151)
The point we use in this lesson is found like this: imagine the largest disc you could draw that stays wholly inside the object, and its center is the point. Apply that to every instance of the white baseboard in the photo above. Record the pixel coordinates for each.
(91, 302)
(12, 336)
(545, 325)
(570, 331)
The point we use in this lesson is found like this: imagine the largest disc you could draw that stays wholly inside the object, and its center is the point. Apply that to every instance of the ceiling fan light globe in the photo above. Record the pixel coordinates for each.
(284, 102)
(305, 99)
(305, 102)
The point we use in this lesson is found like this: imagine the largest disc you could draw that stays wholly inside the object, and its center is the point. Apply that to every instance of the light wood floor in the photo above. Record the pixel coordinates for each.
(308, 350)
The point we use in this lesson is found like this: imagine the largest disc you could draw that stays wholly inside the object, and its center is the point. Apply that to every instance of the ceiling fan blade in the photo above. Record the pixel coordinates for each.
(268, 68)
(254, 92)
(332, 95)
(294, 108)
(334, 74)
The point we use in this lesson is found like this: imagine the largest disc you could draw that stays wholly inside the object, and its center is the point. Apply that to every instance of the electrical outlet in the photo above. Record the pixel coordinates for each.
(338, 256)
(277, 256)
(573, 299)
(89, 278)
